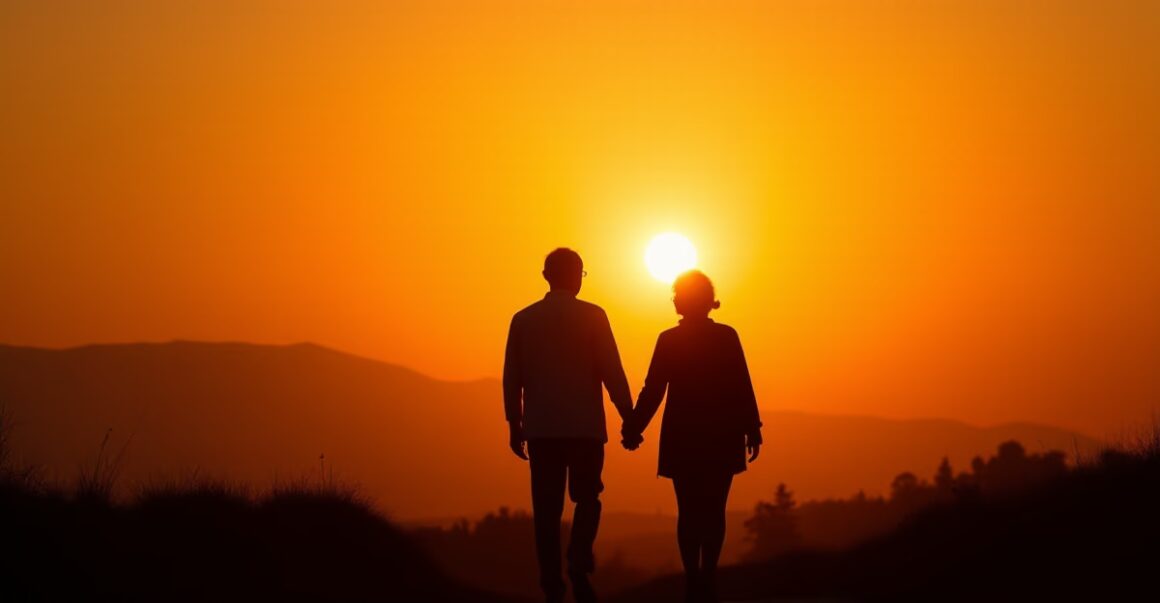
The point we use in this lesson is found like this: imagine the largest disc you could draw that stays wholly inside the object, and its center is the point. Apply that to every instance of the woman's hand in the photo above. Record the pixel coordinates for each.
(516, 440)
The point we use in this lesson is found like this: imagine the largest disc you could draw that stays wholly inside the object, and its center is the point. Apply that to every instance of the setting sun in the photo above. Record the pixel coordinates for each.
(668, 255)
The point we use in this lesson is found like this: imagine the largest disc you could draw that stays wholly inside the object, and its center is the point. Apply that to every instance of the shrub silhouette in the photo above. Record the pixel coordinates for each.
(212, 541)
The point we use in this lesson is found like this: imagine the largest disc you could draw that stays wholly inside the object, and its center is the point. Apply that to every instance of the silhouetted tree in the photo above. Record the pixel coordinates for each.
(909, 494)
(773, 528)
(837, 524)
(904, 484)
(1012, 469)
(494, 552)
(783, 498)
(944, 478)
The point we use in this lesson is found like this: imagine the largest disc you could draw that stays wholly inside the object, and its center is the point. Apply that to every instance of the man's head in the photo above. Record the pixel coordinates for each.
(564, 270)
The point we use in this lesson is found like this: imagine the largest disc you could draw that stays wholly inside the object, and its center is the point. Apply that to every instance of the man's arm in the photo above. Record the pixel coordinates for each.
(611, 371)
(513, 387)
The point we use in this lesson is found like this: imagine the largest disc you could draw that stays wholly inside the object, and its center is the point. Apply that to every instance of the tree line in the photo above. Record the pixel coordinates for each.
(781, 525)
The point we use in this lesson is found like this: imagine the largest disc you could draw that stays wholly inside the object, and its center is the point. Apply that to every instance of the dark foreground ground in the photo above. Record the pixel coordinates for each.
(210, 543)
(1090, 535)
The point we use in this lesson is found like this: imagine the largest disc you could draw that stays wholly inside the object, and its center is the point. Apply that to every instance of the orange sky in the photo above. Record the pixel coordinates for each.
(947, 211)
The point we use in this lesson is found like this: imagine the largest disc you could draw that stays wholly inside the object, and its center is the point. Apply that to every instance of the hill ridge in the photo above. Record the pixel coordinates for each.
(422, 446)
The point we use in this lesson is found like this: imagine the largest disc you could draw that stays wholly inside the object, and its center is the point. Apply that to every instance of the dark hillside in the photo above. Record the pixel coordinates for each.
(1091, 534)
(210, 542)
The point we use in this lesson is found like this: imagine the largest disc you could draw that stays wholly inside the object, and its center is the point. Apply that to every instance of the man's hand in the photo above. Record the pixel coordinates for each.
(753, 446)
(516, 439)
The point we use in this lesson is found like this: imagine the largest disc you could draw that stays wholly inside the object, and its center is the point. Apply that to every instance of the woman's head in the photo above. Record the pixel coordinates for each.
(693, 294)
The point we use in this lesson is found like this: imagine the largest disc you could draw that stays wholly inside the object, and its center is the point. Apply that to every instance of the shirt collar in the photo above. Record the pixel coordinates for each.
(559, 294)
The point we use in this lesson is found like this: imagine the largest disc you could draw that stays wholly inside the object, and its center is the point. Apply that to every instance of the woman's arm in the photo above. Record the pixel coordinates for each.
(653, 391)
(747, 399)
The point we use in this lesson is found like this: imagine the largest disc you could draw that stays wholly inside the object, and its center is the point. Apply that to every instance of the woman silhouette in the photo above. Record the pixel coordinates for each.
(709, 424)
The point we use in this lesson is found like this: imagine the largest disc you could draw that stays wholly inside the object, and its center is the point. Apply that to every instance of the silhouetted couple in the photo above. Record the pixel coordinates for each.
(560, 353)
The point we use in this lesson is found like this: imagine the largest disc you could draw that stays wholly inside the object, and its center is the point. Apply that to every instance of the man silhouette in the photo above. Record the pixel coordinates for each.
(560, 351)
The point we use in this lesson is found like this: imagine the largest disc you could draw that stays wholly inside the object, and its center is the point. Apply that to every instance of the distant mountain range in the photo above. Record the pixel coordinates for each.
(421, 447)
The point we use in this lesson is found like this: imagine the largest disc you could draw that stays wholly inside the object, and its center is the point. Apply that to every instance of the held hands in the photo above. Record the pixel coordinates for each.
(631, 440)
(516, 440)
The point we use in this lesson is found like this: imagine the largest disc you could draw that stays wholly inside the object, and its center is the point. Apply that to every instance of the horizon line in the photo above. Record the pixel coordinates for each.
(477, 380)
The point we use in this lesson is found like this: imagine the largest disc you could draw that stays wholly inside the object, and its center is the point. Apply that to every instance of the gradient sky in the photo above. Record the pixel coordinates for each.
(911, 209)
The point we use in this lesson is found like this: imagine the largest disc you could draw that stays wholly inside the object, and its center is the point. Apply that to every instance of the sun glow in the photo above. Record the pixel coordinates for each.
(668, 255)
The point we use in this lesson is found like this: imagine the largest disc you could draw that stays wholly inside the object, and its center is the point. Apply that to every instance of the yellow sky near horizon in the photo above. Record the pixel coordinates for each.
(911, 209)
